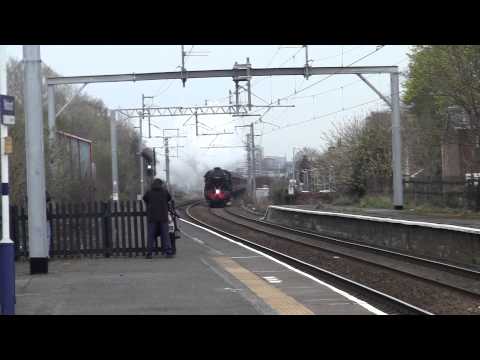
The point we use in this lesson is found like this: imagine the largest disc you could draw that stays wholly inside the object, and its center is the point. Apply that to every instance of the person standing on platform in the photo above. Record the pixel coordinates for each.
(157, 199)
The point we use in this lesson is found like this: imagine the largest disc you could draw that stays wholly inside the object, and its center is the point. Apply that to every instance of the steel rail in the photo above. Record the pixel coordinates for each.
(440, 264)
(463, 271)
(310, 268)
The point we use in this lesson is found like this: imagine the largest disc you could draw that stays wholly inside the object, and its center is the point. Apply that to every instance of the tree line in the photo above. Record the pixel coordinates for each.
(85, 117)
(439, 80)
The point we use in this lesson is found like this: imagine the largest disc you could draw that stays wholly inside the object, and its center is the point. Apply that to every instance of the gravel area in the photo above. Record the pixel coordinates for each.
(435, 298)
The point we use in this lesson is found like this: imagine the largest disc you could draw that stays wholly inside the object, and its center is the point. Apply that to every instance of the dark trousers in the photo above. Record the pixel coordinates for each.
(154, 230)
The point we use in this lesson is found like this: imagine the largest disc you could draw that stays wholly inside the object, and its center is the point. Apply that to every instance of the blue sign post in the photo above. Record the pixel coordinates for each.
(7, 249)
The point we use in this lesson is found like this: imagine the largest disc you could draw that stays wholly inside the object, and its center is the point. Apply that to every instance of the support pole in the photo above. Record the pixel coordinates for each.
(113, 140)
(35, 156)
(196, 123)
(7, 248)
(293, 163)
(254, 182)
(149, 126)
(249, 95)
(237, 100)
(307, 74)
(184, 78)
(140, 150)
(396, 143)
(167, 163)
(51, 132)
(249, 165)
(51, 113)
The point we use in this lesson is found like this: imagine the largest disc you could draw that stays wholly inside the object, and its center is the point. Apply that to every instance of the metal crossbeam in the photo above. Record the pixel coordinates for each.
(230, 73)
(194, 110)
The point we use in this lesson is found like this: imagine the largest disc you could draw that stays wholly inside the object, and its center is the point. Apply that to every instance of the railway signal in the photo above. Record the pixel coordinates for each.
(149, 158)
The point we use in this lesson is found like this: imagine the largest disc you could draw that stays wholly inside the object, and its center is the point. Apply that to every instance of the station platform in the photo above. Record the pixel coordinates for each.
(406, 214)
(209, 276)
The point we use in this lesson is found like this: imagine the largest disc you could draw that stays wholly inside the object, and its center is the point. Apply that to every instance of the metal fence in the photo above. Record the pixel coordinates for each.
(452, 194)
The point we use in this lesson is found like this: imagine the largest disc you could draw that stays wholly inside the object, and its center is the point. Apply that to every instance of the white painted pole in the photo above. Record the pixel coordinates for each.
(7, 249)
(4, 157)
(35, 156)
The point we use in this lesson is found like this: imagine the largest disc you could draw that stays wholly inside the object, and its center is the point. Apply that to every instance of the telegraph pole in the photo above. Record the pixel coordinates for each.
(37, 215)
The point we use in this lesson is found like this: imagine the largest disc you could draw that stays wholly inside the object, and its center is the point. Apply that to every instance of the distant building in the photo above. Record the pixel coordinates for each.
(244, 168)
(269, 166)
(460, 148)
(81, 155)
(274, 166)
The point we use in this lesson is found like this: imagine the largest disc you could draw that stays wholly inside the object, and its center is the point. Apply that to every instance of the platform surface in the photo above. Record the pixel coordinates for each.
(209, 275)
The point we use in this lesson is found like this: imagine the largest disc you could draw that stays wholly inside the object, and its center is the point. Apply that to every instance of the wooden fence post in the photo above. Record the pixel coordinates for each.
(106, 228)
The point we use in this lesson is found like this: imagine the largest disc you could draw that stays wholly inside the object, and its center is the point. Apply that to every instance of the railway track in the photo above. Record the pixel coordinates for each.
(388, 303)
(450, 275)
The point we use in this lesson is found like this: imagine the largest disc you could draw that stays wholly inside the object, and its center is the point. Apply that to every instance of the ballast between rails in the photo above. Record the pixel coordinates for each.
(314, 269)
(463, 270)
(421, 261)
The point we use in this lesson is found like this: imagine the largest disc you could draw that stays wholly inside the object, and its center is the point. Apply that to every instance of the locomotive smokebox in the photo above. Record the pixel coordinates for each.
(147, 154)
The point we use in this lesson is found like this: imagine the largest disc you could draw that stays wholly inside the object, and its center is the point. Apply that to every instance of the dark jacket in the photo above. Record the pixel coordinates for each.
(157, 199)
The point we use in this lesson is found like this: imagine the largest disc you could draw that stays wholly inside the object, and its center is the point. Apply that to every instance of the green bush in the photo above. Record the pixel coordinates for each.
(380, 202)
(343, 200)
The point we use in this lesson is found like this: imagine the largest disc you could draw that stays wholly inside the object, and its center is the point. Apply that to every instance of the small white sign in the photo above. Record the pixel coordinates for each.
(8, 120)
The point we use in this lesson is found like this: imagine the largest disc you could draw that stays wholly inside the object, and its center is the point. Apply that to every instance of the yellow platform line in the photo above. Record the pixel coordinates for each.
(278, 300)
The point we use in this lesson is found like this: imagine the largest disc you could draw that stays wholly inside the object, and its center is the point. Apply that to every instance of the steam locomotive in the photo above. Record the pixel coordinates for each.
(221, 185)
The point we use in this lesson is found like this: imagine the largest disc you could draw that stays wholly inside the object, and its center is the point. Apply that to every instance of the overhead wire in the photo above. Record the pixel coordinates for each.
(340, 87)
(323, 115)
(355, 47)
(314, 60)
(329, 76)
(331, 90)
(289, 59)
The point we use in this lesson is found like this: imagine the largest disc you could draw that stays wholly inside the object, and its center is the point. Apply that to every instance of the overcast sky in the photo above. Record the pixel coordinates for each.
(329, 96)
